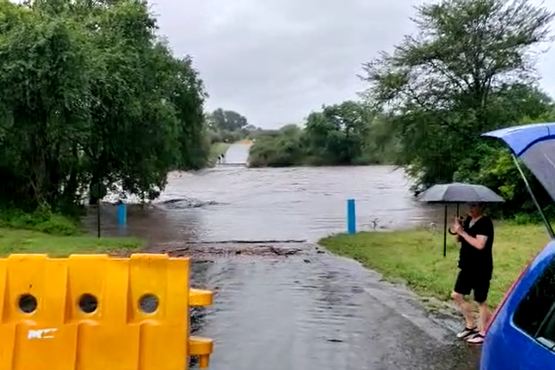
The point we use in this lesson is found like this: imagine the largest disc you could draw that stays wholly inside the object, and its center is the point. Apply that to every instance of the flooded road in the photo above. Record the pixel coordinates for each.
(292, 305)
(238, 203)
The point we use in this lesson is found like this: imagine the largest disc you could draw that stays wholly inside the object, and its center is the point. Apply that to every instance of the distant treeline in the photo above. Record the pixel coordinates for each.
(346, 134)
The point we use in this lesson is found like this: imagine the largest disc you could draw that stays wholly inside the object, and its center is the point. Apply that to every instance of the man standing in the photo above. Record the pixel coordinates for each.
(476, 267)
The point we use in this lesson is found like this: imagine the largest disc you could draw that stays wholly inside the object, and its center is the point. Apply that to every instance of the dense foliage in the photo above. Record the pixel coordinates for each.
(89, 95)
(345, 134)
(469, 69)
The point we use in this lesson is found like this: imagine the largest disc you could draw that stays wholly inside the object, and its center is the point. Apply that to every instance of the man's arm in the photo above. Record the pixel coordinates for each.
(478, 242)
(482, 235)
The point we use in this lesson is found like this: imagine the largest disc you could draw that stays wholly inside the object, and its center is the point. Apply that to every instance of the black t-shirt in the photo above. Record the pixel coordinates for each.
(471, 258)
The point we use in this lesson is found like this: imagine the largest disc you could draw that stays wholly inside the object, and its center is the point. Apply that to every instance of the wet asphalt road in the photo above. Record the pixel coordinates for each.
(297, 307)
(291, 306)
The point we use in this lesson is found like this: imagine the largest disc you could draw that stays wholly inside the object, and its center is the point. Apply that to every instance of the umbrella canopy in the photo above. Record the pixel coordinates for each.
(459, 193)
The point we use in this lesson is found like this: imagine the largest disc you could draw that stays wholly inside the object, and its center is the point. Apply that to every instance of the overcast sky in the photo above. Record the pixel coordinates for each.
(274, 61)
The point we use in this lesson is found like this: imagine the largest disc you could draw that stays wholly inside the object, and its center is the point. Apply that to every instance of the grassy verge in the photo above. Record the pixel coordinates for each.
(216, 150)
(416, 256)
(54, 234)
(28, 241)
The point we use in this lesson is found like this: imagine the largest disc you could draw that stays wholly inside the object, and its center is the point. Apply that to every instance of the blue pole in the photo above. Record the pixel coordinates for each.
(351, 217)
(122, 214)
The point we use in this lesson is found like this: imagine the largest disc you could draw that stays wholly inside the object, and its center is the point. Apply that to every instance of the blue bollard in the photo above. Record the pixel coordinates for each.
(351, 217)
(122, 214)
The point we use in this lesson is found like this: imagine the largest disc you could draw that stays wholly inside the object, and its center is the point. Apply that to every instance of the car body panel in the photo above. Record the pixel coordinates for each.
(506, 346)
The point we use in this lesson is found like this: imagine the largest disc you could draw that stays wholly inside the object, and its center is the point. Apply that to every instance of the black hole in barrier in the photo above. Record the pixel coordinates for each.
(148, 303)
(88, 303)
(27, 303)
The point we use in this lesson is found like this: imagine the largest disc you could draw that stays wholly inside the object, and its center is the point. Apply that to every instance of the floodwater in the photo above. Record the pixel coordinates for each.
(281, 301)
(233, 202)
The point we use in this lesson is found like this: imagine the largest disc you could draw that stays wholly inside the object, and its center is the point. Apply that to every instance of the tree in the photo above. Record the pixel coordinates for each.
(338, 133)
(89, 95)
(279, 149)
(228, 120)
(468, 69)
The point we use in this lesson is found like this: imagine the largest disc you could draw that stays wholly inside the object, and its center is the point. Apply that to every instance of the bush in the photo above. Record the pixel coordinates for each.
(277, 151)
(41, 220)
(526, 219)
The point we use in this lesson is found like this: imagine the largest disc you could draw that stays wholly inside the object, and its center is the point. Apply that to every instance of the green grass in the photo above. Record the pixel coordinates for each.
(28, 241)
(215, 150)
(416, 256)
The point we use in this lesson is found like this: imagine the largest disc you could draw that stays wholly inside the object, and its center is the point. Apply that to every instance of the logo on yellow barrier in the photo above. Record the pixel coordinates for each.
(93, 312)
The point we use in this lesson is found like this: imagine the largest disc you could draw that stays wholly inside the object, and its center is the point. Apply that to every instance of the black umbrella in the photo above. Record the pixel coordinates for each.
(458, 193)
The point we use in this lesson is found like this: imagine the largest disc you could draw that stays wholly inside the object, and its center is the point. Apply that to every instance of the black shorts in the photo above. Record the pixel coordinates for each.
(468, 281)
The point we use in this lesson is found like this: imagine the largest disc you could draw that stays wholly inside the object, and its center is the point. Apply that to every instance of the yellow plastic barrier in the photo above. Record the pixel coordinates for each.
(93, 312)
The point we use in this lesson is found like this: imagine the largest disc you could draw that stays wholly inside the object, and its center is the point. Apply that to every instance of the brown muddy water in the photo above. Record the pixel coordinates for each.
(281, 301)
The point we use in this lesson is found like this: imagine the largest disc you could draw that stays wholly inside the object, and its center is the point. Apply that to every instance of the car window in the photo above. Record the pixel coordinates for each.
(536, 312)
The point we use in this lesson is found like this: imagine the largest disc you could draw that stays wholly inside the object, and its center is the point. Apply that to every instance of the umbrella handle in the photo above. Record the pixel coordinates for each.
(462, 219)
(459, 239)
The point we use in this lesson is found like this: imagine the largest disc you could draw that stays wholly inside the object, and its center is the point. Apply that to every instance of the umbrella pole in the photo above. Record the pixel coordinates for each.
(457, 209)
(445, 232)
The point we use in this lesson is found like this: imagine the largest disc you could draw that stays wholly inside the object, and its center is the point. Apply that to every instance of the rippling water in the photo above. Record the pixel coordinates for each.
(304, 203)
(293, 203)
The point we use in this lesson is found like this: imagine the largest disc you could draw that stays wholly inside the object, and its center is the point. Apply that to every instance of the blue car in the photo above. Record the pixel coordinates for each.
(521, 335)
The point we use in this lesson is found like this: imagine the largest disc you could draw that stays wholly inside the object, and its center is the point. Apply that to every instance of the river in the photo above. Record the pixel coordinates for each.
(281, 301)
(305, 203)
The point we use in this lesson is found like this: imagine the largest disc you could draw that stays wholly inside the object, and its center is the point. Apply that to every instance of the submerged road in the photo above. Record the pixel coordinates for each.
(293, 306)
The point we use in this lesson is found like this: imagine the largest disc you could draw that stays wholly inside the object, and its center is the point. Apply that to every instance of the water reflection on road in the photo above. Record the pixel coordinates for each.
(292, 306)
